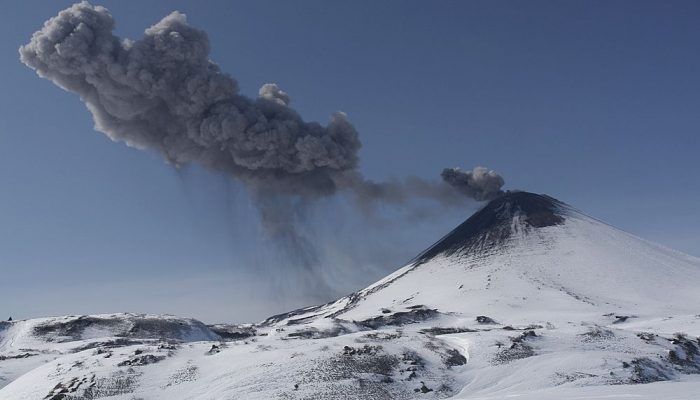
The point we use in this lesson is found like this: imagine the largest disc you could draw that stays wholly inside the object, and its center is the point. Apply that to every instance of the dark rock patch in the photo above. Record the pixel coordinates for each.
(482, 319)
(119, 383)
(364, 350)
(17, 357)
(622, 318)
(454, 358)
(685, 354)
(233, 332)
(215, 349)
(413, 364)
(437, 331)
(400, 318)
(423, 389)
(647, 336)
(134, 327)
(315, 333)
(67, 390)
(645, 370)
(73, 329)
(380, 336)
(189, 373)
(597, 334)
(141, 360)
(280, 317)
(572, 377)
(121, 342)
(519, 348)
(362, 373)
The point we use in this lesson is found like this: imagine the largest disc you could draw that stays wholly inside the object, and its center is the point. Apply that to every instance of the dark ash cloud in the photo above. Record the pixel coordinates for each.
(480, 183)
(163, 93)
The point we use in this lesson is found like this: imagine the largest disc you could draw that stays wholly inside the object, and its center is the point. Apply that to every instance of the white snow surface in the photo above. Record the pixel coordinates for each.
(578, 310)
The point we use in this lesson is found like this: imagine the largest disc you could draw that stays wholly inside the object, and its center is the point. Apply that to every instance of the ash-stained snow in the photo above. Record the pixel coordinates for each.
(528, 299)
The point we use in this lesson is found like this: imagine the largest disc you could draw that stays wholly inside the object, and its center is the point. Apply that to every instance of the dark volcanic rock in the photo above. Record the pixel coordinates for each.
(454, 358)
(233, 332)
(646, 370)
(482, 319)
(120, 342)
(18, 356)
(123, 326)
(279, 317)
(314, 333)
(520, 348)
(491, 226)
(74, 328)
(438, 330)
(400, 318)
(4, 325)
(140, 360)
(686, 353)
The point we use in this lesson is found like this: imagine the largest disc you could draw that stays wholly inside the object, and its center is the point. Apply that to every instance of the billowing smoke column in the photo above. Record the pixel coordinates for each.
(162, 92)
(479, 183)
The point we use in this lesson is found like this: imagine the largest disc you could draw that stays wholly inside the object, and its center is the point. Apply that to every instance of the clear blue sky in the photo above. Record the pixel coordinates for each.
(596, 103)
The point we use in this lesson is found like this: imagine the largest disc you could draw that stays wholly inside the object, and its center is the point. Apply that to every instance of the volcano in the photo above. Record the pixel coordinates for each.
(529, 297)
(491, 226)
(533, 252)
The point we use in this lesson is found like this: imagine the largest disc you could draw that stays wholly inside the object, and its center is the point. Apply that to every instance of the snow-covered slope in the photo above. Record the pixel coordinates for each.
(528, 298)
(25, 345)
(532, 258)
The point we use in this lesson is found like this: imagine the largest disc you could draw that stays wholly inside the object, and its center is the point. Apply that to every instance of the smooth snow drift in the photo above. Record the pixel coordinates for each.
(528, 298)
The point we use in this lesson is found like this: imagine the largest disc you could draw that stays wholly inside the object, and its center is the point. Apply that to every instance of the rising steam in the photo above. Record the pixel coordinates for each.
(163, 93)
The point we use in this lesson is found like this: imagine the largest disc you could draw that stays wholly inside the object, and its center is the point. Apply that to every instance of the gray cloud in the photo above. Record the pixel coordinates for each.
(163, 93)
(480, 183)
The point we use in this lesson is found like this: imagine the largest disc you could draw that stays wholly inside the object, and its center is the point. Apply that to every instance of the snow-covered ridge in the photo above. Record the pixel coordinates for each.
(91, 327)
(529, 297)
(27, 344)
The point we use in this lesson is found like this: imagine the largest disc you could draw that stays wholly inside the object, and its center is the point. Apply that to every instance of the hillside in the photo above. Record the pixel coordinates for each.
(529, 297)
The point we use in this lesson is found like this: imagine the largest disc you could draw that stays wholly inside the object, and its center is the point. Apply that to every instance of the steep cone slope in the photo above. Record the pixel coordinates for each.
(492, 226)
(526, 256)
(528, 298)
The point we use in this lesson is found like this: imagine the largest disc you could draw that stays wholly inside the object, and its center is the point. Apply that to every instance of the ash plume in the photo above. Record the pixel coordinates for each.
(479, 183)
(163, 93)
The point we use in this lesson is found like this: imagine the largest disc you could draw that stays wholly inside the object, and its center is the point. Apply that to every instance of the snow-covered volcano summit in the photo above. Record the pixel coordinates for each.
(529, 297)
(532, 253)
(498, 221)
